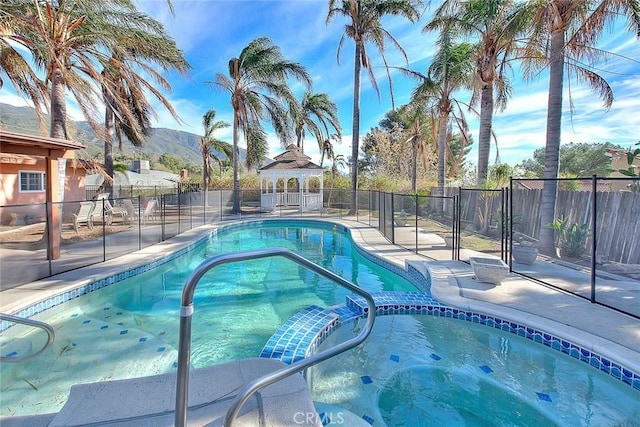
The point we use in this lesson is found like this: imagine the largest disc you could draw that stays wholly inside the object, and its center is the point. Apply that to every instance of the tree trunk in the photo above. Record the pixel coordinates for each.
(58, 124)
(355, 139)
(414, 166)
(552, 148)
(205, 178)
(442, 161)
(484, 148)
(236, 167)
(57, 129)
(484, 133)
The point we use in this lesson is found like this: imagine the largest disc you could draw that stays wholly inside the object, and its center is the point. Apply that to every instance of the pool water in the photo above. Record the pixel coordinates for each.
(130, 329)
(432, 371)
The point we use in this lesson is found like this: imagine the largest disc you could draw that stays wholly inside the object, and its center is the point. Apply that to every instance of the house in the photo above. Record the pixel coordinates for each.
(35, 170)
(619, 161)
(23, 174)
(139, 175)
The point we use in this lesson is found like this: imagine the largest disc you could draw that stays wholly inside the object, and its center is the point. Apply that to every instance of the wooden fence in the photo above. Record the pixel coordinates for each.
(617, 218)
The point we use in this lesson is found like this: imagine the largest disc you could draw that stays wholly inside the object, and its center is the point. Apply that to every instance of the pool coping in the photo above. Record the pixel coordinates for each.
(444, 286)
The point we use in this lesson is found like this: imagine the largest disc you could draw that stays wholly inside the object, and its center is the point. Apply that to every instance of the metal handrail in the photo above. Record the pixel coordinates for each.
(51, 336)
(186, 312)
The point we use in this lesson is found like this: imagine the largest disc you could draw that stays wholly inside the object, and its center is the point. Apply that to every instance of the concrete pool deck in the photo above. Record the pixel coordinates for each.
(605, 331)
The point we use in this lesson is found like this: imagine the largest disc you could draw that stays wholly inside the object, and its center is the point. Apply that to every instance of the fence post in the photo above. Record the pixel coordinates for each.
(162, 217)
(139, 223)
(393, 225)
(179, 208)
(104, 232)
(503, 235)
(369, 218)
(594, 242)
(48, 214)
(455, 232)
(190, 211)
(510, 225)
(458, 221)
(416, 216)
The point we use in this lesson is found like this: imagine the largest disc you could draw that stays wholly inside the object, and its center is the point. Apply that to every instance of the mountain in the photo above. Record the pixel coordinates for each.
(160, 141)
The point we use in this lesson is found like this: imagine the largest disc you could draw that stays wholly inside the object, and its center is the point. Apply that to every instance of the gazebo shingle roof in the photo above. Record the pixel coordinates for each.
(292, 158)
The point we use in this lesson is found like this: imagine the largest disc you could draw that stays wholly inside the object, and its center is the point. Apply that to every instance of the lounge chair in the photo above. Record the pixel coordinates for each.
(149, 210)
(132, 212)
(110, 211)
(84, 215)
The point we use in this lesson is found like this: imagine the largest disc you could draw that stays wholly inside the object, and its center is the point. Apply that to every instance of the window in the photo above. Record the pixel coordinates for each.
(32, 182)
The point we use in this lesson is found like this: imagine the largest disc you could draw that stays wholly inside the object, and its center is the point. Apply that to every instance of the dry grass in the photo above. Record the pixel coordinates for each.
(31, 236)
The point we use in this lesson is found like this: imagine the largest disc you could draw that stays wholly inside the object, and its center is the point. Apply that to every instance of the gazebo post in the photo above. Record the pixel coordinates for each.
(301, 191)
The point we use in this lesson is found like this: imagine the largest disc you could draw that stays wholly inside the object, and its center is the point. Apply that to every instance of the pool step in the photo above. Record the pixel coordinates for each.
(150, 401)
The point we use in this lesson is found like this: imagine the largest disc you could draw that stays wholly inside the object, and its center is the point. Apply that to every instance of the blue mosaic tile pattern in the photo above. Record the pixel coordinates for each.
(347, 313)
(368, 419)
(486, 369)
(395, 303)
(300, 334)
(421, 281)
(544, 397)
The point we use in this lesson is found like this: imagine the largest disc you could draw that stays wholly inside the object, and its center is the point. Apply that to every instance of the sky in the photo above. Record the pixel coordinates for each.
(211, 32)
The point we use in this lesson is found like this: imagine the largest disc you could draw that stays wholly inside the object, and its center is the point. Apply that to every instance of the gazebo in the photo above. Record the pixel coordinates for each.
(288, 166)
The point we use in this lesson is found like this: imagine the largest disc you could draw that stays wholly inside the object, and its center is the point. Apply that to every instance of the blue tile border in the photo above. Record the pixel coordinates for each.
(398, 303)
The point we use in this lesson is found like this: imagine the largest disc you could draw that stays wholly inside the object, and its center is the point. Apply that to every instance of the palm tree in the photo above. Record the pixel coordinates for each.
(208, 143)
(364, 26)
(62, 44)
(338, 161)
(418, 125)
(257, 83)
(496, 24)
(16, 67)
(71, 41)
(126, 91)
(566, 32)
(318, 114)
(327, 148)
(451, 69)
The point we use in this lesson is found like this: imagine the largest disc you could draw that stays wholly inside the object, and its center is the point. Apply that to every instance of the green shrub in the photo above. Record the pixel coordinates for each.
(575, 240)
(571, 238)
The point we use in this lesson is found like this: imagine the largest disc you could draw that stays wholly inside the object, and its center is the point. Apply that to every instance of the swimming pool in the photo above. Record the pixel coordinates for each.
(136, 320)
(130, 328)
(428, 370)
